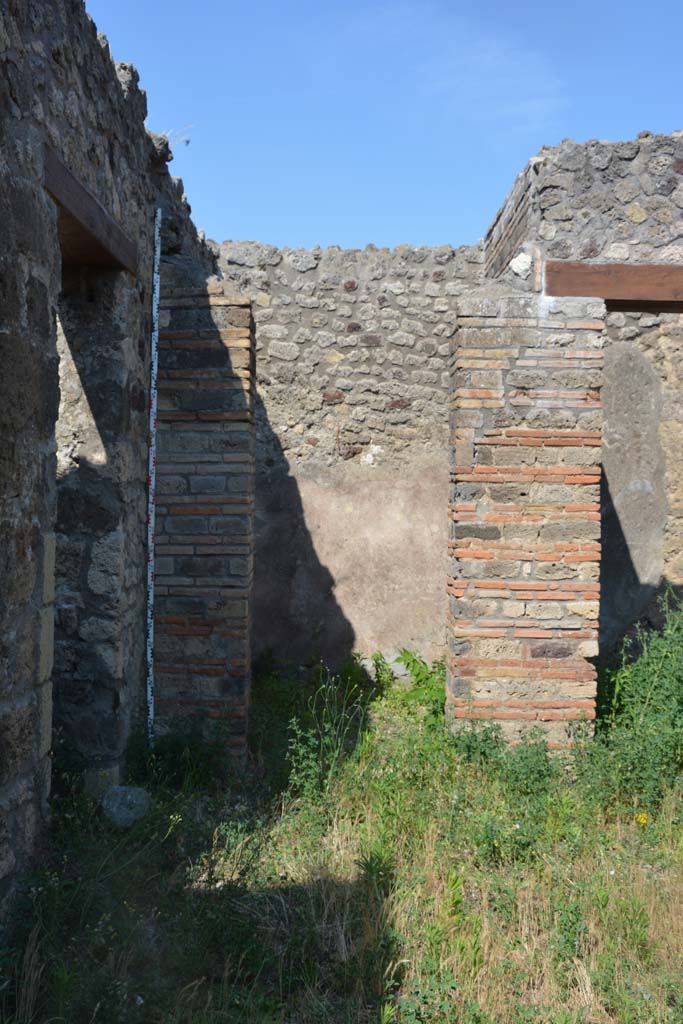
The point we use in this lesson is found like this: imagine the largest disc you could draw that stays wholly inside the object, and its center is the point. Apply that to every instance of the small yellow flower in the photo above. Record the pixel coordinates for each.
(642, 818)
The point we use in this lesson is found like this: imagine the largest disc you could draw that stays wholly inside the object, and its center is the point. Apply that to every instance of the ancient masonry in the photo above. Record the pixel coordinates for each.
(303, 434)
(204, 517)
(525, 514)
(351, 419)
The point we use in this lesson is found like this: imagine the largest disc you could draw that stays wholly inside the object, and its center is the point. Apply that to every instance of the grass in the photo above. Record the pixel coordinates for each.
(370, 867)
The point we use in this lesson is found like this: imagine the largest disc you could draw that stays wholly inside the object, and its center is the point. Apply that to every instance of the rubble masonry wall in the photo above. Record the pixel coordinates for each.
(73, 411)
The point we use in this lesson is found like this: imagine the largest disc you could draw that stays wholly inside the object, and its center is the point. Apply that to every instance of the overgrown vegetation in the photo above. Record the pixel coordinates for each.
(370, 867)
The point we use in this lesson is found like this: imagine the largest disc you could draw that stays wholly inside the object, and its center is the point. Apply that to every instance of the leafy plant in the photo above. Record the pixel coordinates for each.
(318, 747)
(638, 752)
(377, 865)
(427, 682)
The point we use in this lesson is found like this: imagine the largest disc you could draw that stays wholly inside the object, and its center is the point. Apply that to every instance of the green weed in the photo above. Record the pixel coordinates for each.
(370, 866)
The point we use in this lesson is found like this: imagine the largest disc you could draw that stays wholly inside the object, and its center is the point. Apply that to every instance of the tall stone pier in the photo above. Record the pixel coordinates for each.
(524, 515)
(203, 543)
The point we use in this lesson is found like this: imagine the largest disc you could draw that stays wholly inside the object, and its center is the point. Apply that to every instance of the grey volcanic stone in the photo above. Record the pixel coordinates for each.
(301, 260)
(124, 805)
(250, 254)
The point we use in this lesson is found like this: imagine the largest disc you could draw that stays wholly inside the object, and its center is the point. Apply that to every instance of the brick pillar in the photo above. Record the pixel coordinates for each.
(205, 480)
(525, 514)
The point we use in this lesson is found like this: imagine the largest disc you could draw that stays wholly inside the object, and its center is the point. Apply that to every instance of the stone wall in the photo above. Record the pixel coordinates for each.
(351, 446)
(101, 434)
(204, 514)
(85, 329)
(595, 201)
(351, 400)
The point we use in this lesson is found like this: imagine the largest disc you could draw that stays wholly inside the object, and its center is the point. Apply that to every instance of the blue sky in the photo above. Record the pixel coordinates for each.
(387, 122)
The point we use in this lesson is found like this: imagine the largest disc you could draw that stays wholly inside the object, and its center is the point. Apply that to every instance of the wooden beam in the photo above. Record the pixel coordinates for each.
(617, 282)
(88, 235)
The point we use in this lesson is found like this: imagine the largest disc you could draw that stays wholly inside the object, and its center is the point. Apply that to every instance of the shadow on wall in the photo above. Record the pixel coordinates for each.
(311, 625)
(205, 489)
(102, 436)
(622, 595)
(625, 599)
(101, 479)
(634, 500)
(350, 552)
(294, 592)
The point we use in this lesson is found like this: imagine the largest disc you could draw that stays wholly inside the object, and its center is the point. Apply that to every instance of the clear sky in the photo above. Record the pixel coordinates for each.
(333, 122)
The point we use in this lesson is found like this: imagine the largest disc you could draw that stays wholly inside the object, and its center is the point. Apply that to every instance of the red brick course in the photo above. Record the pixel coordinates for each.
(524, 518)
(204, 521)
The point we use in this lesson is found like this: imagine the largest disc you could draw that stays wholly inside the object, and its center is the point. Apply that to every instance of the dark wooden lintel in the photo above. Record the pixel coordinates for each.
(616, 282)
(88, 235)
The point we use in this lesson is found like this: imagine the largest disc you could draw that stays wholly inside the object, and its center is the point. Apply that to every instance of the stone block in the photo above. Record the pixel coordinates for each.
(205, 565)
(208, 484)
(106, 565)
(97, 629)
(585, 609)
(183, 524)
(229, 526)
(88, 502)
(285, 350)
(240, 484)
(171, 484)
(544, 609)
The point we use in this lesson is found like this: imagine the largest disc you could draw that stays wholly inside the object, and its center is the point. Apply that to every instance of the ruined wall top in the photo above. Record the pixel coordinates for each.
(352, 347)
(594, 201)
(352, 344)
(64, 90)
